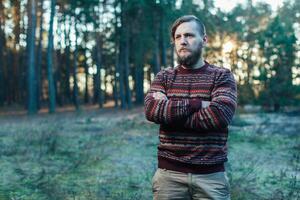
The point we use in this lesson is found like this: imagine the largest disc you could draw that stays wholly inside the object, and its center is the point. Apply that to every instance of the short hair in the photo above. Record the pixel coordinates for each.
(188, 18)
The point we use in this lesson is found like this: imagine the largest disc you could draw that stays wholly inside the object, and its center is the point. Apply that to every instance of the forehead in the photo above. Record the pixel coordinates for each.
(187, 27)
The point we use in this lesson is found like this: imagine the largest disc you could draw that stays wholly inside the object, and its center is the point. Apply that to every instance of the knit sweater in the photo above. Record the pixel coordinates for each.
(192, 139)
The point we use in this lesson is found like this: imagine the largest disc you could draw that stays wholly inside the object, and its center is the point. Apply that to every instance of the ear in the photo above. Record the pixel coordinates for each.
(205, 39)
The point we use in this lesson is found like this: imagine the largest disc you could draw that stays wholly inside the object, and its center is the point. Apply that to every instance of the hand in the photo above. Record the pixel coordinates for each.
(205, 104)
(160, 96)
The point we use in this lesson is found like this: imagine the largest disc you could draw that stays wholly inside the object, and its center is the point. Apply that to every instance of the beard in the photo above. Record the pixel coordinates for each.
(190, 60)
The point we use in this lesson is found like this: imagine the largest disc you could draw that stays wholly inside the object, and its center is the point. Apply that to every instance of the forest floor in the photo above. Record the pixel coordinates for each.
(111, 154)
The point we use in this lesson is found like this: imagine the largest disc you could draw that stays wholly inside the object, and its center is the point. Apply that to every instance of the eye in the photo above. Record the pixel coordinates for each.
(189, 35)
(177, 37)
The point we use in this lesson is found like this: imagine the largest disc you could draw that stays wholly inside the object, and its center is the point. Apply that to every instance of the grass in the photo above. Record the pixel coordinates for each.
(112, 155)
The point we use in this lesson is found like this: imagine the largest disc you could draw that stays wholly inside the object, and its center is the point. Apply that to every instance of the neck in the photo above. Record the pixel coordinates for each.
(200, 63)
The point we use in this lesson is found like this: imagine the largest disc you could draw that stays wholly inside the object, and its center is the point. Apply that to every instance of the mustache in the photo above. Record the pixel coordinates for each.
(184, 49)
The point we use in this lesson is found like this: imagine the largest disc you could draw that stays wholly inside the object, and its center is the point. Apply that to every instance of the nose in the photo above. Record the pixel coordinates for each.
(183, 41)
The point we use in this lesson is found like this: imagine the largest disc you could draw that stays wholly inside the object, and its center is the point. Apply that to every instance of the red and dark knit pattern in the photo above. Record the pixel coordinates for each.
(192, 139)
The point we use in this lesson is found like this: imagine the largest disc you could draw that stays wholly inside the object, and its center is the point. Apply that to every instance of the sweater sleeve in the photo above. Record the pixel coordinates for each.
(219, 113)
(166, 111)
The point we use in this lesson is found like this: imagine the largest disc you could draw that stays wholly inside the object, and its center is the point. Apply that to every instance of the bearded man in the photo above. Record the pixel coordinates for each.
(193, 103)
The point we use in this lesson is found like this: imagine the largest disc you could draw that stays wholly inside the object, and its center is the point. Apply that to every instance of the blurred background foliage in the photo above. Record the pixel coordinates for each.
(59, 53)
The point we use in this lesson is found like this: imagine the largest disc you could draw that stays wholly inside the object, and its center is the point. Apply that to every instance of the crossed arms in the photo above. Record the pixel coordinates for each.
(193, 113)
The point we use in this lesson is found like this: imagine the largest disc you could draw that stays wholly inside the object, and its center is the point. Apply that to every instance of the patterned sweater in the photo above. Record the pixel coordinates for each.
(192, 139)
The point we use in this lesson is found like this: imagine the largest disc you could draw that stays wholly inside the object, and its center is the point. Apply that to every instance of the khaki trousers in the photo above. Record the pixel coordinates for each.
(169, 185)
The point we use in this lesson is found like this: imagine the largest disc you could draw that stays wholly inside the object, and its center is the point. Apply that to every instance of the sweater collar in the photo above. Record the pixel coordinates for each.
(192, 71)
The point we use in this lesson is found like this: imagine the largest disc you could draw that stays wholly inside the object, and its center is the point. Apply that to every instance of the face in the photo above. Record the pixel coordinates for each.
(188, 43)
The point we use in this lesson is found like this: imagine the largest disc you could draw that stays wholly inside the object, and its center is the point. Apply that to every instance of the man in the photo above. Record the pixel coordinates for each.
(194, 104)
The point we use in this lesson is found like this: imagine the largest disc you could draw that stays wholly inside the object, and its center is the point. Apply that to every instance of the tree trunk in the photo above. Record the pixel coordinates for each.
(98, 74)
(163, 54)
(23, 83)
(117, 64)
(124, 59)
(2, 88)
(86, 72)
(86, 91)
(156, 67)
(2, 49)
(51, 86)
(105, 94)
(67, 62)
(75, 87)
(39, 57)
(139, 80)
(120, 72)
(10, 73)
(32, 104)
(116, 79)
(15, 65)
(58, 63)
(138, 64)
(127, 67)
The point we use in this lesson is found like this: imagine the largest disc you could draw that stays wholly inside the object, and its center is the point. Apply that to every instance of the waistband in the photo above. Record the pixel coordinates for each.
(168, 164)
